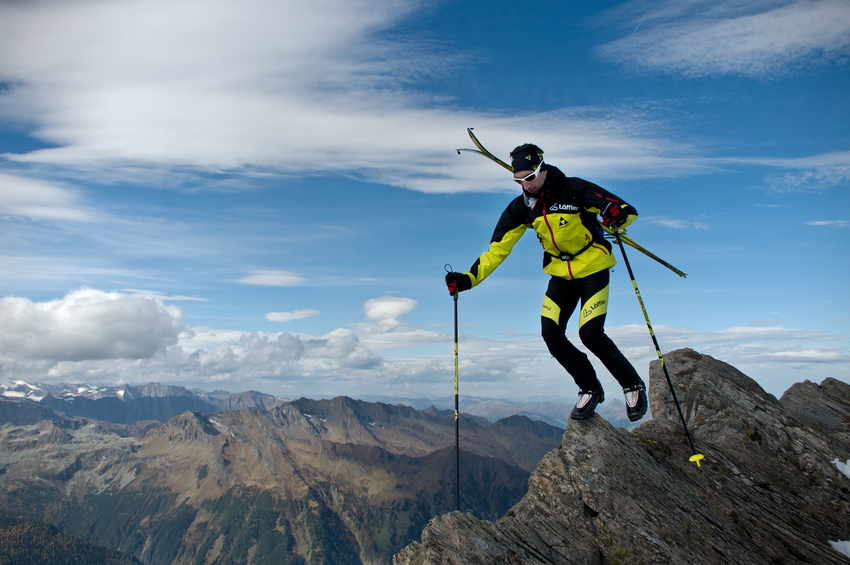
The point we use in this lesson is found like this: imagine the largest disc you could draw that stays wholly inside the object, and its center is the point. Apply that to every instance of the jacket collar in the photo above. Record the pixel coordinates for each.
(552, 173)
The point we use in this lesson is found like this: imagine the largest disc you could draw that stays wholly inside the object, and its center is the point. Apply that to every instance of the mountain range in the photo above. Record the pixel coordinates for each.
(342, 481)
(309, 481)
(134, 409)
(126, 410)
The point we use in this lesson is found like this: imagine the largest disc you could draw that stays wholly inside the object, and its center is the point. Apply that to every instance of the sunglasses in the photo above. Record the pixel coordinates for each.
(531, 177)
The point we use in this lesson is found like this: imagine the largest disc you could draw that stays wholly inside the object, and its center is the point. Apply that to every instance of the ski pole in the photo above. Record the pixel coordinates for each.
(457, 413)
(696, 457)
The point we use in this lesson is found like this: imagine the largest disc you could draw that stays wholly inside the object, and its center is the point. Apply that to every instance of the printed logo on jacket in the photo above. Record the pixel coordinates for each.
(564, 207)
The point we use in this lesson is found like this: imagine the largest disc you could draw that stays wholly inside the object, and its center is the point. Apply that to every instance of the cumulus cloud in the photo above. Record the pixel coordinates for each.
(272, 278)
(98, 337)
(87, 324)
(710, 37)
(95, 336)
(343, 346)
(289, 316)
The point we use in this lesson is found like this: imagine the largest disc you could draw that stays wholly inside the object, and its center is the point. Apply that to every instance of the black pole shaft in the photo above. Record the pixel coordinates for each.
(457, 416)
(654, 341)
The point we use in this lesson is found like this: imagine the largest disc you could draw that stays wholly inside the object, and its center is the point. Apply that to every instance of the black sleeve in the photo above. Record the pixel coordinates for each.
(593, 198)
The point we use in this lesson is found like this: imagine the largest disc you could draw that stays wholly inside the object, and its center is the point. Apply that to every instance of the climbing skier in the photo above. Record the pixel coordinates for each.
(562, 211)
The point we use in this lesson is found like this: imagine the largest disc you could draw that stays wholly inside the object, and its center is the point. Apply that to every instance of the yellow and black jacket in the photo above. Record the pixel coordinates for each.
(564, 218)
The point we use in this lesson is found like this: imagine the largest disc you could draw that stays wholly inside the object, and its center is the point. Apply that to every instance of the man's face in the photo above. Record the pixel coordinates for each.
(532, 187)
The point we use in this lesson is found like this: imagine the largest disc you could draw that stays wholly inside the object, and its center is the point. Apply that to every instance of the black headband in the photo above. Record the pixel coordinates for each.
(526, 160)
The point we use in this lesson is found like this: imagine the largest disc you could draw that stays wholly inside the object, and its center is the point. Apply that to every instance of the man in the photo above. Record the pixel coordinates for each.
(562, 211)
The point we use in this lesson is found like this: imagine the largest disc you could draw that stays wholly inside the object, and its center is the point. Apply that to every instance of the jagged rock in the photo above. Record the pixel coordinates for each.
(189, 426)
(766, 492)
(832, 413)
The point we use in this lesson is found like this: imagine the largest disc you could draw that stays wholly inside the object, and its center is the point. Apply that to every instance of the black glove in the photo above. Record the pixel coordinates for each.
(458, 282)
(612, 215)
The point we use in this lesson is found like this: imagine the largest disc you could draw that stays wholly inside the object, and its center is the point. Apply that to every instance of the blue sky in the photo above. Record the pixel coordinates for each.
(263, 195)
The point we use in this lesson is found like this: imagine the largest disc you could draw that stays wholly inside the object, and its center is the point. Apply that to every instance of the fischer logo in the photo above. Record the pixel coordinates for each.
(565, 207)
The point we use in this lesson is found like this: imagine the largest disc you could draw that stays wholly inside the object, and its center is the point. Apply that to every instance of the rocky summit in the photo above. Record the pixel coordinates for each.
(768, 491)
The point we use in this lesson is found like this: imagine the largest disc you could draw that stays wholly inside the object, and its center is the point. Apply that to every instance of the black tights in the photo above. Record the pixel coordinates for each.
(561, 299)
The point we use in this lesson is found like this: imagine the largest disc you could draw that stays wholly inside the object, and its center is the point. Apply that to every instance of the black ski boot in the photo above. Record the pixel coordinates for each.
(587, 401)
(636, 402)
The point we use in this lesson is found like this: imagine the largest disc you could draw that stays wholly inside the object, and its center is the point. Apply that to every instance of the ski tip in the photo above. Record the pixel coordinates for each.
(696, 458)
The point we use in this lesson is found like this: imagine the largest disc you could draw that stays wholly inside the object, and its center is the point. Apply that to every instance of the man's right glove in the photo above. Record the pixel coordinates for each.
(458, 282)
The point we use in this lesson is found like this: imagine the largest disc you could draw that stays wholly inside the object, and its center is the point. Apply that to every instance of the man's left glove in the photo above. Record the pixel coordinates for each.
(458, 282)
(612, 215)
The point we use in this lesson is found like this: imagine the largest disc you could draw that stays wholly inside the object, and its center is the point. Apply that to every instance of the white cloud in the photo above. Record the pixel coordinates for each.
(388, 307)
(87, 324)
(272, 278)
(163, 296)
(385, 311)
(831, 223)
(810, 173)
(289, 316)
(344, 347)
(40, 200)
(153, 90)
(709, 37)
(138, 339)
(776, 357)
(672, 222)
(798, 175)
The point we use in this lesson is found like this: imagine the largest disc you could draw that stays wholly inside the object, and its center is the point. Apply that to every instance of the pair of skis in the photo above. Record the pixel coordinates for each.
(620, 238)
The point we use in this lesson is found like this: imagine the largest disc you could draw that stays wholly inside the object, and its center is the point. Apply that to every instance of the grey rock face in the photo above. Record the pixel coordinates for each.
(766, 492)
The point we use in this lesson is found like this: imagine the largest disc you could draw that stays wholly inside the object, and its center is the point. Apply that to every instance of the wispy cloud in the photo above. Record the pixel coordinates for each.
(809, 173)
(673, 222)
(768, 322)
(759, 39)
(37, 199)
(831, 223)
(272, 278)
(815, 173)
(215, 93)
(290, 316)
(162, 296)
